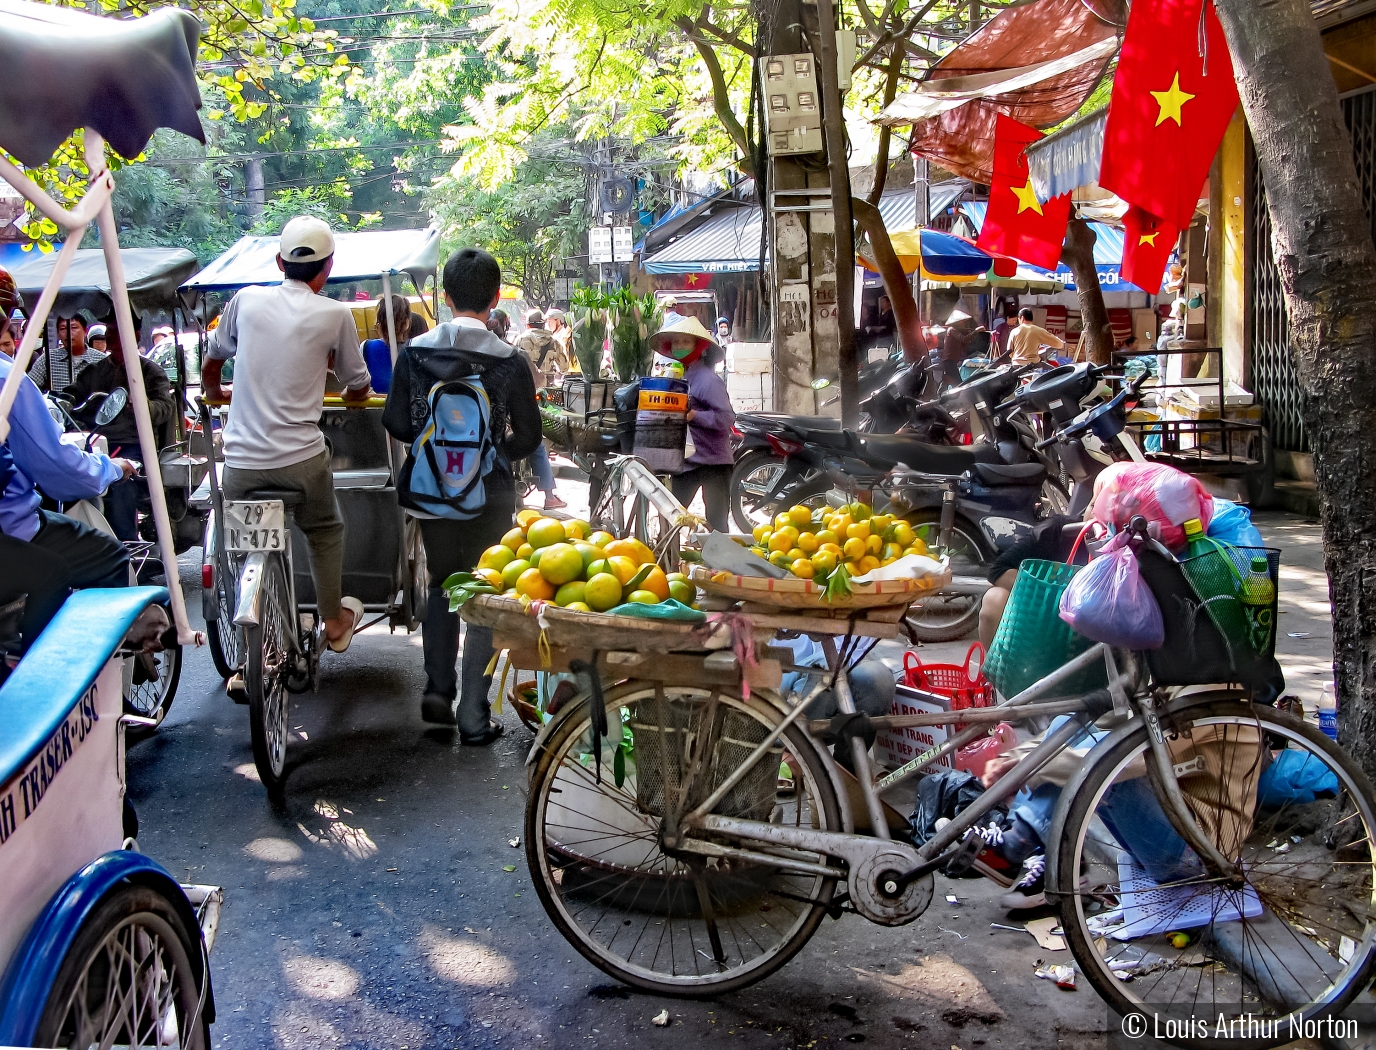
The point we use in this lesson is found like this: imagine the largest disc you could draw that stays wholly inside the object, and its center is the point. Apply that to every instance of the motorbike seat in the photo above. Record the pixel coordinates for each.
(892, 449)
(291, 499)
(123, 77)
(995, 474)
(802, 423)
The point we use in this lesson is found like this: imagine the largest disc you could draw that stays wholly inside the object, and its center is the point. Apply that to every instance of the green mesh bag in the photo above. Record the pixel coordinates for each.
(1032, 639)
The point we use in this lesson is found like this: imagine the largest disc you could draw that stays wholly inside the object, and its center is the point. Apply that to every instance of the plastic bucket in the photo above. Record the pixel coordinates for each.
(661, 424)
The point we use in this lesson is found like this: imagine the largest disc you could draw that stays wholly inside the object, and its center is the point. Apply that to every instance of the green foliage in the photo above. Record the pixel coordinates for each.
(633, 319)
(588, 308)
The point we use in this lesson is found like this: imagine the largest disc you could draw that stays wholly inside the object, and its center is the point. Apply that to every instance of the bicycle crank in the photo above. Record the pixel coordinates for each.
(875, 865)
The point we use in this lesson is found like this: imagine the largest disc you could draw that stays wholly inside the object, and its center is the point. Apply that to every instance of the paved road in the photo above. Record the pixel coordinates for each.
(376, 909)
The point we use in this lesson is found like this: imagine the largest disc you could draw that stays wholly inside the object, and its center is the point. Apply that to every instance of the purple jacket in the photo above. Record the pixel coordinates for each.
(710, 428)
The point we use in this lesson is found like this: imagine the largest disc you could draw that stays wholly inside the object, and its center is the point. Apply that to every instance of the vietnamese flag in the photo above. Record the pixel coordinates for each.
(1169, 108)
(1147, 244)
(1016, 223)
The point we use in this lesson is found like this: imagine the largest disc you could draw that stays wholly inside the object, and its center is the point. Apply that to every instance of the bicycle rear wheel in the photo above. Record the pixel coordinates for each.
(666, 922)
(268, 666)
(1298, 937)
(153, 698)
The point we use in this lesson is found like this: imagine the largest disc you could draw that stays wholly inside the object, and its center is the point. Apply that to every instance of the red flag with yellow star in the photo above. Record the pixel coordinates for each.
(1016, 223)
(1173, 96)
(1147, 244)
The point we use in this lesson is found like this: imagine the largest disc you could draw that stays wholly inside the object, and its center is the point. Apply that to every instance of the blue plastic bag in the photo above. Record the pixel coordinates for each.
(1233, 524)
(1109, 602)
(1295, 778)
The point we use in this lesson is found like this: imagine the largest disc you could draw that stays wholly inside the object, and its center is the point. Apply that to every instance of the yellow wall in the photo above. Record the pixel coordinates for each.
(1233, 193)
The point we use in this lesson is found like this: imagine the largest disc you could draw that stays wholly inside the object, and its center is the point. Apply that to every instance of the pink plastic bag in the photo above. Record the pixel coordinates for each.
(1109, 602)
(1159, 493)
(976, 756)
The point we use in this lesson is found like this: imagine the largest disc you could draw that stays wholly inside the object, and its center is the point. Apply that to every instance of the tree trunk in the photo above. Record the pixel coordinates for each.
(1078, 253)
(896, 284)
(1323, 249)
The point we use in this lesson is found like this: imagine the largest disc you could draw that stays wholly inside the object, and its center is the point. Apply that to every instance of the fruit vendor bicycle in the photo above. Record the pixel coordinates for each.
(688, 836)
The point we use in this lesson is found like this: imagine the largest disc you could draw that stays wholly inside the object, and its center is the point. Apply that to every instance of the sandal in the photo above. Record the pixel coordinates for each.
(341, 644)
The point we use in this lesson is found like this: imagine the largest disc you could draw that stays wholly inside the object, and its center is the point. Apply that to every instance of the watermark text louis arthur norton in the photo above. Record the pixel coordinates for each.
(1142, 1029)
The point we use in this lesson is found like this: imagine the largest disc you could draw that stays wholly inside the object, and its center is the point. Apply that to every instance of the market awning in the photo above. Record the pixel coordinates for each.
(1027, 280)
(363, 256)
(152, 274)
(1108, 252)
(1069, 159)
(729, 241)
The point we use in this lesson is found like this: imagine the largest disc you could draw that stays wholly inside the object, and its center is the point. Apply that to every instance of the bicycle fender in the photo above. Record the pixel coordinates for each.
(32, 972)
(210, 607)
(247, 612)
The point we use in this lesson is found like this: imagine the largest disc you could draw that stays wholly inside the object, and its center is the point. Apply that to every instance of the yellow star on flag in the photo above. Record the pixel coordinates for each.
(1027, 198)
(1148, 238)
(1171, 102)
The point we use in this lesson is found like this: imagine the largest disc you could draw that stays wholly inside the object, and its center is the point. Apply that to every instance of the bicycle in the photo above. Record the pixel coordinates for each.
(693, 845)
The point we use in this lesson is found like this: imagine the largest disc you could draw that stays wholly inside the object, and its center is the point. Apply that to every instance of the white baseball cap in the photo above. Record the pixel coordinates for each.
(306, 239)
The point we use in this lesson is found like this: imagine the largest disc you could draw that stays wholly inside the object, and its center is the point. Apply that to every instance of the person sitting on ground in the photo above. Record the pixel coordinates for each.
(459, 350)
(542, 353)
(710, 419)
(285, 339)
(1026, 341)
(47, 555)
(377, 352)
(68, 359)
(122, 432)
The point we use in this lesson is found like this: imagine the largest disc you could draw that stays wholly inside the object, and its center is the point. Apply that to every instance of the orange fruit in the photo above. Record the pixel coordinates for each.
(809, 542)
(534, 558)
(903, 534)
(794, 553)
(589, 552)
(823, 562)
(577, 529)
(600, 538)
(765, 536)
(490, 576)
(532, 585)
(515, 538)
(525, 517)
(802, 568)
(835, 548)
(545, 531)
(602, 592)
(569, 592)
(759, 532)
(656, 582)
(683, 591)
(874, 545)
(624, 549)
(891, 550)
(800, 516)
(560, 563)
(671, 577)
(780, 558)
(513, 571)
(525, 550)
(860, 511)
(647, 555)
(643, 597)
(825, 536)
(579, 606)
(918, 546)
(497, 557)
(868, 562)
(781, 519)
(854, 549)
(859, 530)
(622, 567)
(595, 566)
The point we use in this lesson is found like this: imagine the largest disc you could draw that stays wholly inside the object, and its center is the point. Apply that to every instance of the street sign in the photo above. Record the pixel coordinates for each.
(600, 244)
(623, 244)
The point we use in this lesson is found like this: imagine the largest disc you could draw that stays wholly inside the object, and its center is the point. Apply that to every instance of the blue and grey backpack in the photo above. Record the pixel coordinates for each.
(453, 450)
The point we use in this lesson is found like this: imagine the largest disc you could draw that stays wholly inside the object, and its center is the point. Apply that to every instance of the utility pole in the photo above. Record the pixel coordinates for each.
(834, 127)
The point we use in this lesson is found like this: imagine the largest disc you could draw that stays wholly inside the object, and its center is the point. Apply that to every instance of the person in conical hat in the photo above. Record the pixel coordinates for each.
(709, 421)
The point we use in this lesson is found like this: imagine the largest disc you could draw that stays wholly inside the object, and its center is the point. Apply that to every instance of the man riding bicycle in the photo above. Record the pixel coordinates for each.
(284, 340)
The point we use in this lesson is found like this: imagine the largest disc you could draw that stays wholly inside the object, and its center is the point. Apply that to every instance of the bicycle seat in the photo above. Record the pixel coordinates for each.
(996, 474)
(892, 449)
(290, 498)
(125, 78)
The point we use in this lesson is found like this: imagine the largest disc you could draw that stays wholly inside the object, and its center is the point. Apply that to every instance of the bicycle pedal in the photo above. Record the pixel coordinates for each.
(236, 690)
(964, 859)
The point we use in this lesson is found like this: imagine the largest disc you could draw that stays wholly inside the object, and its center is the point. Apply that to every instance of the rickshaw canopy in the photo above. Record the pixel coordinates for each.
(363, 256)
(153, 276)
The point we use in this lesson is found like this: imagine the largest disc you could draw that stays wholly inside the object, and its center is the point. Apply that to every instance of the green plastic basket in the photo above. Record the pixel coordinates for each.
(1032, 639)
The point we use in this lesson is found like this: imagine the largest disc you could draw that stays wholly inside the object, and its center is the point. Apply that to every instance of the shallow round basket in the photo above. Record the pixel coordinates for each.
(793, 593)
(582, 631)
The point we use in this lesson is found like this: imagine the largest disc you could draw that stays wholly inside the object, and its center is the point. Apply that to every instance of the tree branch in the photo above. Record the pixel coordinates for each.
(721, 97)
(900, 291)
(881, 159)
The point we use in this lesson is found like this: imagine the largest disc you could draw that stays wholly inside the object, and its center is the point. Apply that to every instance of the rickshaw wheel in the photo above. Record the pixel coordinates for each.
(153, 699)
(127, 979)
(268, 667)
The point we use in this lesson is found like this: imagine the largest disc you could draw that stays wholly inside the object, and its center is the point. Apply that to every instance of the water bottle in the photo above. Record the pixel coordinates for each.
(1195, 544)
(1257, 594)
(1328, 712)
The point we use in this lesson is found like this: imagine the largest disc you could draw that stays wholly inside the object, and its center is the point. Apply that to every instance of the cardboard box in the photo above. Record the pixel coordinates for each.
(1145, 325)
(751, 392)
(896, 747)
(749, 358)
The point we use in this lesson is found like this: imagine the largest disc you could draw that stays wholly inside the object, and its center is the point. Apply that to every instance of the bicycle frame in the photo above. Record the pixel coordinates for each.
(95, 206)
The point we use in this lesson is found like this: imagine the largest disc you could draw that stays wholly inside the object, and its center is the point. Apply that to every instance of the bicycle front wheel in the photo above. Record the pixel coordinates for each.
(1155, 933)
(670, 922)
(268, 666)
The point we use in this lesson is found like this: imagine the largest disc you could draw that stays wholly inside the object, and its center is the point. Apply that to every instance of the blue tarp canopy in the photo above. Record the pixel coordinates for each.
(362, 256)
(1108, 252)
(729, 240)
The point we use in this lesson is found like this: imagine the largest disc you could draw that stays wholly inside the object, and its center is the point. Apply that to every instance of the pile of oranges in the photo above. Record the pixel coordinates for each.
(566, 562)
(810, 544)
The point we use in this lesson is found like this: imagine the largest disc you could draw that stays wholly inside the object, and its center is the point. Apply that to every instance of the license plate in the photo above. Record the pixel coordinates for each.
(257, 526)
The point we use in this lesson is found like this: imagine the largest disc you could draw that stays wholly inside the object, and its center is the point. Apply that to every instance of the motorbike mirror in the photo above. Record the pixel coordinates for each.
(821, 384)
(113, 405)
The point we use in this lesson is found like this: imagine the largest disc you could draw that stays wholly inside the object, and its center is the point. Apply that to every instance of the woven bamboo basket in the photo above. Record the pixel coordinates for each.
(580, 631)
(794, 593)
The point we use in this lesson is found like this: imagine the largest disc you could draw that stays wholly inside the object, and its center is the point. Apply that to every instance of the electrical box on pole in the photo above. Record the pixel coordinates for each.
(792, 111)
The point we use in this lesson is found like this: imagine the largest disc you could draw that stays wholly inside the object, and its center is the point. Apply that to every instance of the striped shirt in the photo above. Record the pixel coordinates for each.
(65, 370)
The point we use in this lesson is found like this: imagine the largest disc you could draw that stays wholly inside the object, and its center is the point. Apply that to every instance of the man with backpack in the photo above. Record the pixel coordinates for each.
(463, 402)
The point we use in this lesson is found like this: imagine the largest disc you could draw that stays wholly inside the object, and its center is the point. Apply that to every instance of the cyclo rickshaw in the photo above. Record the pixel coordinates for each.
(689, 825)
(99, 945)
(255, 582)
